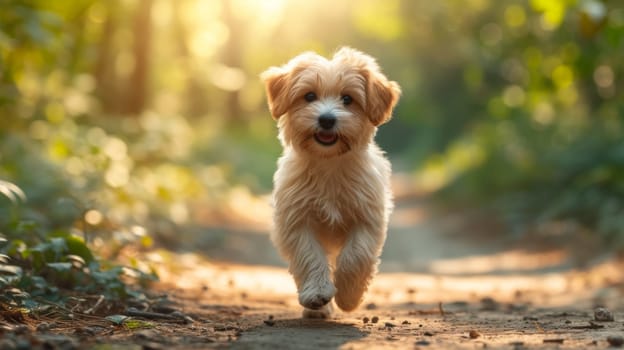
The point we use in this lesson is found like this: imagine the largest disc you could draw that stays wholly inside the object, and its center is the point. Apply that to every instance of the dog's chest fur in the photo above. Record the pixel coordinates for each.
(333, 193)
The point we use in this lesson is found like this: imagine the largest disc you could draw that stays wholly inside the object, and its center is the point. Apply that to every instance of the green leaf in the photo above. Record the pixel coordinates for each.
(11, 269)
(76, 246)
(117, 319)
(58, 245)
(12, 192)
(17, 293)
(26, 226)
(30, 304)
(60, 266)
(76, 260)
(137, 324)
(34, 283)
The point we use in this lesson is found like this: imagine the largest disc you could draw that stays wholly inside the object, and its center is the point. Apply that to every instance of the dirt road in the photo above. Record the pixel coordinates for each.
(440, 287)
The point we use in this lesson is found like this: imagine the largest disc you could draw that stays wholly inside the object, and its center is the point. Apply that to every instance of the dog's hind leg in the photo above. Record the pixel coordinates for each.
(355, 267)
(309, 266)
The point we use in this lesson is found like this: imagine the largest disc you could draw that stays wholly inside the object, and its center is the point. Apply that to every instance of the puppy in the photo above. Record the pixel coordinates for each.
(331, 193)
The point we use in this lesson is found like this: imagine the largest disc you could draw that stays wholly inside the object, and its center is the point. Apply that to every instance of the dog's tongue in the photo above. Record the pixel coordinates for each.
(326, 137)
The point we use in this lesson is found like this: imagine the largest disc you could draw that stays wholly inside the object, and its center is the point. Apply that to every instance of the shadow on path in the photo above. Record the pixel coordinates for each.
(306, 334)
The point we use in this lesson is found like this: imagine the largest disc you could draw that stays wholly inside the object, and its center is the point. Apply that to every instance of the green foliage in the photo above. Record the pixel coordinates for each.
(548, 150)
(38, 263)
(511, 105)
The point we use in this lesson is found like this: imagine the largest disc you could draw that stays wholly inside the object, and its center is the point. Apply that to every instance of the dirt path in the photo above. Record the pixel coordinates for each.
(439, 288)
(206, 305)
(413, 311)
(438, 282)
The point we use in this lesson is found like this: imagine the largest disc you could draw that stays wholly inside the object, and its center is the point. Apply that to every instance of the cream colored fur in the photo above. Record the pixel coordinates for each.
(331, 201)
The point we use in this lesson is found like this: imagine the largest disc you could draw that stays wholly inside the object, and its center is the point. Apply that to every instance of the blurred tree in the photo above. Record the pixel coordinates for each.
(513, 104)
(232, 58)
(104, 69)
(141, 48)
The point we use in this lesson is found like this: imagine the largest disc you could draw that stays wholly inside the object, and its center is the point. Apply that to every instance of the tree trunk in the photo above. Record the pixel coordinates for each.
(103, 70)
(138, 83)
(232, 58)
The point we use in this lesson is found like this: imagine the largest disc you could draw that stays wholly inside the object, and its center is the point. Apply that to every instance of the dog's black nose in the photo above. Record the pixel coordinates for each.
(327, 121)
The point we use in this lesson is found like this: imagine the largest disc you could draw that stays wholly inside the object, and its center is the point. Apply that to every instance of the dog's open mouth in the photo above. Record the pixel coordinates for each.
(326, 138)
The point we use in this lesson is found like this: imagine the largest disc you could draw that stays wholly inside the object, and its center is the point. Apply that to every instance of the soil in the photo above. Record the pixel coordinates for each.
(436, 290)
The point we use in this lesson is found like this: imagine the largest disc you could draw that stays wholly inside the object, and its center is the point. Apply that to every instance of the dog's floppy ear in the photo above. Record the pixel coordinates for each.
(381, 94)
(381, 97)
(276, 85)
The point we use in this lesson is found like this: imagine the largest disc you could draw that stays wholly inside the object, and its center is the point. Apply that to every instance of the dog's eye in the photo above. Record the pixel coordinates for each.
(347, 100)
(310, 96)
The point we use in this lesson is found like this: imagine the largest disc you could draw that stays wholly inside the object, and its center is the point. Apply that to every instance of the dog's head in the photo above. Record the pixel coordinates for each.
(329, 107)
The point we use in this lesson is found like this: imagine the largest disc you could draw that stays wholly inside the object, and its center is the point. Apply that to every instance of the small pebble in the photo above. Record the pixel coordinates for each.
(405, 322)
(365, 319)
(474, 334)
(269, 322)
(144, 334)
(371, 306)
(164, 309)
(43, 327)
(429, 334)
(423, 342)
(601, 314)
(20, 329)
(390, 325)
(375, 319)
(151, 346)
(489, 304)
(616, 341)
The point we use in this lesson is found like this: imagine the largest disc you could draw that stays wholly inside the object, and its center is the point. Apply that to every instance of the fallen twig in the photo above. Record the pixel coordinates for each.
(591, 325)
(147, 314)
(94, 307)
(555, 340)
(155, 315)
(68, 311)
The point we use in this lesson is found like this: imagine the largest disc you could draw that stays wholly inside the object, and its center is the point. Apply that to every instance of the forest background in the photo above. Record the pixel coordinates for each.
(126, 122)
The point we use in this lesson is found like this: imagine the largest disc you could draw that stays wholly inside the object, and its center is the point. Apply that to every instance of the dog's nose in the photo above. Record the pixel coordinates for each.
(327, 121)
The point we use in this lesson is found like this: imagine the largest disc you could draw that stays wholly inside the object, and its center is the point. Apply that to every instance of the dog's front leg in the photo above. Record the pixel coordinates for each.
(309, 266)
(355, 266)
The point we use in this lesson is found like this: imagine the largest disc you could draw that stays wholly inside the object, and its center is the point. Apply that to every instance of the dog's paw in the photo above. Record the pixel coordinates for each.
(324, 312)
(316, 295)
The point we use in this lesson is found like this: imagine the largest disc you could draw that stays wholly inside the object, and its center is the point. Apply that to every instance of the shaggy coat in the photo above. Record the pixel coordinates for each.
(331, 195)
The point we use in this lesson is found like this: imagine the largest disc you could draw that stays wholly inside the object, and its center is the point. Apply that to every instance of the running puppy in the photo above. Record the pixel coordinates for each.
(332, 194)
